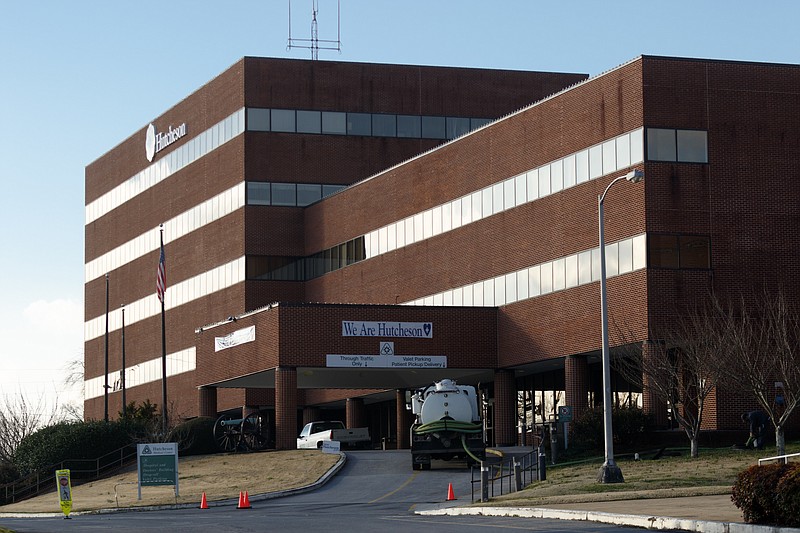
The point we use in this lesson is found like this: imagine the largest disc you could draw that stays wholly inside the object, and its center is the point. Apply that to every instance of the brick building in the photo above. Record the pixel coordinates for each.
(304, 202)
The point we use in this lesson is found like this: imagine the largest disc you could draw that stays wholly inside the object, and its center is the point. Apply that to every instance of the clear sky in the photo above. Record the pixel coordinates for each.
(77, 78)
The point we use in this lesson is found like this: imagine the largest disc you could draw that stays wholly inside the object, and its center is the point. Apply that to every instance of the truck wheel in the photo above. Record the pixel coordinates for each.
(319, 445)
(425, 466)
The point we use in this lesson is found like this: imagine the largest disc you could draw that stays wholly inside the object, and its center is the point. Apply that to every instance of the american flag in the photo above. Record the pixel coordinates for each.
(161, 278)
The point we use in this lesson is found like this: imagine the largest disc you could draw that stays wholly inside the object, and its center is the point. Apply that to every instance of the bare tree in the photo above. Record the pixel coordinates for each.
(19, 417)
(763, 354)
(73, 378)
(680, 366)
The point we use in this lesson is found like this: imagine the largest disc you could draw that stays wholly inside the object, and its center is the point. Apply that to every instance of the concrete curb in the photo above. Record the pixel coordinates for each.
(646, 522)
(216, 503)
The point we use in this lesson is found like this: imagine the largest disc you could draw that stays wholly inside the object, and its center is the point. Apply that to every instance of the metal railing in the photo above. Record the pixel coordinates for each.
(780, 458)
(81, 470)
(507, 475)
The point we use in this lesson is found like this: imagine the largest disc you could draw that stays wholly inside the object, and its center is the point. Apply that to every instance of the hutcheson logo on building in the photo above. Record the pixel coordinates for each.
(155, 141)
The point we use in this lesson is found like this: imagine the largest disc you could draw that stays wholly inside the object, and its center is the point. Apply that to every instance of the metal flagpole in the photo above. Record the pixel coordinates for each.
(162, 289)
(105, 385)
(122, 374)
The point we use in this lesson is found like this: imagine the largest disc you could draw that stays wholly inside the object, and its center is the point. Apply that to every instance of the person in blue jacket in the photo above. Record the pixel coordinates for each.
(758, 428)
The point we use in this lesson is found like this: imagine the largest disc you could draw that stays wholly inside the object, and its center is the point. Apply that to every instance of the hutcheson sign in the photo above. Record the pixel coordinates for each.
(420, 330)
(155, 141)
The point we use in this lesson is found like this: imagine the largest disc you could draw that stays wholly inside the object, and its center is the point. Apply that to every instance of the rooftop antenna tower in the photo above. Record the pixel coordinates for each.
(315, 44)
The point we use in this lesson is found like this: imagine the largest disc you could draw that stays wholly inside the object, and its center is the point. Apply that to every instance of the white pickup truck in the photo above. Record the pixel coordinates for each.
(315, 433)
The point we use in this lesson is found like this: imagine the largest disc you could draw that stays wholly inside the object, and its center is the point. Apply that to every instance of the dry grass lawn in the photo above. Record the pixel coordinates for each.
(220, 476)
(223, 476)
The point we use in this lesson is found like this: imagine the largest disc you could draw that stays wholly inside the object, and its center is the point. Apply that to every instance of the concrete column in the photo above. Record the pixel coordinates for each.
(354, 413)
(285, 408)
(404, 421)
(207, 401)
(651, 403)
(505, 405)
(576, 379)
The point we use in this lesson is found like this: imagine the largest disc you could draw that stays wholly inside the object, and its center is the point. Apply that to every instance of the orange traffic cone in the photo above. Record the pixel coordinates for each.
(203, 502)
(244, 501)
(450, 495)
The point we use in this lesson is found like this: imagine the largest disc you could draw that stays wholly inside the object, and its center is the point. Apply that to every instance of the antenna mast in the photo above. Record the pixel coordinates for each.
(313, 43)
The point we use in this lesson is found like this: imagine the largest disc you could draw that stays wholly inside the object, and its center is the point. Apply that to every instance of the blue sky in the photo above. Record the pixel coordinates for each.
(77, 78)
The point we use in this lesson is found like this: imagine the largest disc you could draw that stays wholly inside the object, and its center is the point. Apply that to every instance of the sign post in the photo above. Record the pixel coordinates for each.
(157, 464)
(565, 417)
(64, 491)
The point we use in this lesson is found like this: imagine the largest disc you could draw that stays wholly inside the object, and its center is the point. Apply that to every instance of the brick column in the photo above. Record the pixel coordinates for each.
(404, 421)
(310, 414)
(285, 408)
(505, 405)
(207, 401)
(354, 413)
(576, 379)
(248, 410)
(651, 403)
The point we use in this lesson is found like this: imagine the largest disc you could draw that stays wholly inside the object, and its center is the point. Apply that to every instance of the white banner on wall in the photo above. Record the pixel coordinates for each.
(230, 340)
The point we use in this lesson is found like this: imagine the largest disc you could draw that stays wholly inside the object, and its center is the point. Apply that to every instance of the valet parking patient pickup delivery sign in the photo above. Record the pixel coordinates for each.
(386, 357)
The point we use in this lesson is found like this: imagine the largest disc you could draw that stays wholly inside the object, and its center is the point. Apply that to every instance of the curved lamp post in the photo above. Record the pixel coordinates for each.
(609, 472)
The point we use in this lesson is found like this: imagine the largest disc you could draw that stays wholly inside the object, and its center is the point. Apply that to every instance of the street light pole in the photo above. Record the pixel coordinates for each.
(609, 472)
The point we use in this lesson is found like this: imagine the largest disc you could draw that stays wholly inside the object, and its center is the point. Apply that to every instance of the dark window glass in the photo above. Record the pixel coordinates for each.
(308, 193)
(409, 126)
(662, 251)
(267, 267)
(359, 124)
(475, 123)
(327, 190)
(334, 123)
(692, 146)
(695, 251)
(384, 125)
(257, 193)
(308, 122)
(283, 120)
(284, 194)
(433, 128)
(257, 119)
(456, 127)
(661, 145)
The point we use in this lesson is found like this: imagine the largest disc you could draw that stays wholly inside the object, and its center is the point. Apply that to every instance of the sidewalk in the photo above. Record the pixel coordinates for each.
(706, 514)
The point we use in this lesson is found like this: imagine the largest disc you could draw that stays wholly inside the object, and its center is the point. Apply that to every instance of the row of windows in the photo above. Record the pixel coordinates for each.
(288, 194)
(178, 294)
(564, 273)
(361, 124)
(191, 151)
(213, 209)
(149, 371)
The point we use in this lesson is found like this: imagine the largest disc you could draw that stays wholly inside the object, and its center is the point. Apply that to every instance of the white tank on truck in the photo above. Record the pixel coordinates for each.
(447, 424)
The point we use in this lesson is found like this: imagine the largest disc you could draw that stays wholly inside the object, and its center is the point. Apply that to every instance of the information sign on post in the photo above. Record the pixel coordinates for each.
(157, 464)
(565, 417)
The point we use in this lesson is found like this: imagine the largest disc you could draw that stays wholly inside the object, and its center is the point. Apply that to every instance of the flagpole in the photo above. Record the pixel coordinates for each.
(122, 376)
(105, 385)
(163, 337)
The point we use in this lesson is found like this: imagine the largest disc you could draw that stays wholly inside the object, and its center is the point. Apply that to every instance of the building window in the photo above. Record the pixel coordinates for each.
(384, 125)
(456, 127)
(682, 146)
(334, 123)
(258, 193)
(258, 119)
(309, 122)
(359, 124)
(409, 126)
(262, 267)
(308, 193)
(284, 194)
(433, 128)
(679, 251)
(283, 120)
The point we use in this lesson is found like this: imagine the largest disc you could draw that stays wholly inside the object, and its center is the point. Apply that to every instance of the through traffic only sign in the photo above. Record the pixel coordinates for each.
(565, 413)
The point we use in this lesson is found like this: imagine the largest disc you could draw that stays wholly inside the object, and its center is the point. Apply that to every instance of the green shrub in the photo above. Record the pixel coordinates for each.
(788, 497)
(71, 440)
(8, 472)
(195, 436)
(755, 493)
